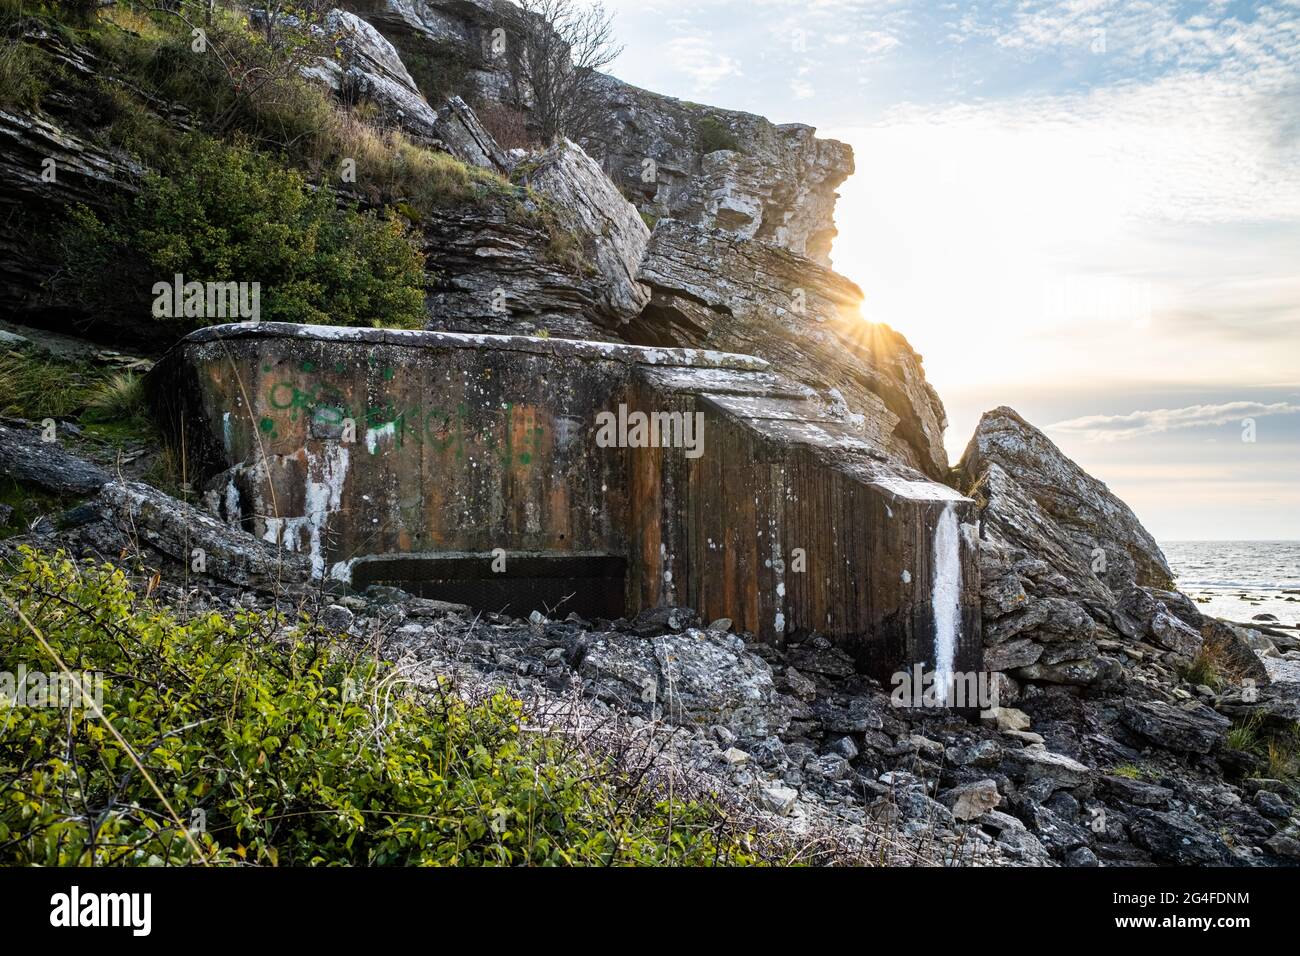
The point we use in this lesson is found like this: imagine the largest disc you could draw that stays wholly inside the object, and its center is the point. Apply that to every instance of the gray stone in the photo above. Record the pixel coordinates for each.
(798, 685)
(1284, 846)
(972, 800)
(857, 715)
(1172, 634)
(779, 800)
(1081, 856)
(1191, 728)
(1174, 838)
(25, 458)
(594, 208)
(1012, 654)
(1272, 805)
(1045, 765)
(734, 757)
(135, 514)
(845, 747)
(335, 618)
(1135, 792)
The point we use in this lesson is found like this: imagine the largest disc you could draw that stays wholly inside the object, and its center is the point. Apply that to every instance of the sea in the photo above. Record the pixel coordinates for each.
(1237, 580)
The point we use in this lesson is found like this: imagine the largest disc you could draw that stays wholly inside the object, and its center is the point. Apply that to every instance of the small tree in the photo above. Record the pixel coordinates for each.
(554, 50)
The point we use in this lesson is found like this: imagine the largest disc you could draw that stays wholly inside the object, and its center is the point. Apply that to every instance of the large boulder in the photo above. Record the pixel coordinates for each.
(712, 290)
(27, 458)
(610, 226)
(132, 516)
(1074, 514)
(1064, 564)
(1192, 728)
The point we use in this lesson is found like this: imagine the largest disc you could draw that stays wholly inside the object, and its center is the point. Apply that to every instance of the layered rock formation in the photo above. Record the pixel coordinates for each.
(493, 271)
(720, 169)
(724, 169)
(743, 213)
(712, 290)
(615, 236)
(46, 166)
(370, 68)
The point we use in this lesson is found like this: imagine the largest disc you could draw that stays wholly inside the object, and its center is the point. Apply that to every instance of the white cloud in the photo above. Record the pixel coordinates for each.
(1155, 421)
(876, 42)
(696, 57)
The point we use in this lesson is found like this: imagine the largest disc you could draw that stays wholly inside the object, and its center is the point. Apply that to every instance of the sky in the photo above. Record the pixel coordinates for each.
(1089, 211)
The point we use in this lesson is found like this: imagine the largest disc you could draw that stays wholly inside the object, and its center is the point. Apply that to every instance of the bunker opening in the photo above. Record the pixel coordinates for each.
(592, 585)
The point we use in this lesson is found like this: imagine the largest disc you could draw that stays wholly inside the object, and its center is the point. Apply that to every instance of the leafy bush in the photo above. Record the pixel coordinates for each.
(289, 750)
(714, 135)
(229, 213)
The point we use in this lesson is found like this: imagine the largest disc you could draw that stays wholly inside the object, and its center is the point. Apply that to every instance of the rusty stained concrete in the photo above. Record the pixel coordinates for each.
(468, 443)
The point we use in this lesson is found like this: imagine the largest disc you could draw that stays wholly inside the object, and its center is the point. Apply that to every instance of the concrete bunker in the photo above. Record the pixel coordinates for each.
(512, 468)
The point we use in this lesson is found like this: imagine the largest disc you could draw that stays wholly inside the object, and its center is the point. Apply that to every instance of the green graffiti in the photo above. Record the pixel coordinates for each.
(441, 429)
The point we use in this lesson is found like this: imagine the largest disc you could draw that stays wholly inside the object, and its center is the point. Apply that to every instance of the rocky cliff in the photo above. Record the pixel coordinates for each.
(715, 290)
(739, 256)
(720, 169)
(724, 169)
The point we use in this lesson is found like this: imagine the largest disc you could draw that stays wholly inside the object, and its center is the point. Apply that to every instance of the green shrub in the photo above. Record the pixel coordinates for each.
(229, 213)
(289, 750)
(714, 135)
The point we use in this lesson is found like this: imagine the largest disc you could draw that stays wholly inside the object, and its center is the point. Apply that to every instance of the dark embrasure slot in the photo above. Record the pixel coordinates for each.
(553, 583)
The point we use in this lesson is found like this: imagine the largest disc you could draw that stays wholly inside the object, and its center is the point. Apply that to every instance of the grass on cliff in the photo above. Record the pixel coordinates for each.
(1276, 747)
(236, 123)
(35, 386)
(238, 740)
(253, 89)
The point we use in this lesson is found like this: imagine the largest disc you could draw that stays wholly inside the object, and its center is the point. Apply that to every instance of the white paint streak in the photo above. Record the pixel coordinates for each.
(945, 599)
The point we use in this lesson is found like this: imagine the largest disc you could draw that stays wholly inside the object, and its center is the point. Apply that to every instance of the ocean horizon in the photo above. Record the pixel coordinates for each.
(1239, 580)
